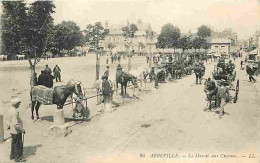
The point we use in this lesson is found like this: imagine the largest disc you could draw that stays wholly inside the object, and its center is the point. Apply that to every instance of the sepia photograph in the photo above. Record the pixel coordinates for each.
(130, 81)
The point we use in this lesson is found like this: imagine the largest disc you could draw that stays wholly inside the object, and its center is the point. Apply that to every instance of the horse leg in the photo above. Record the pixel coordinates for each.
(116, 86)
(122, 90)
(37, 109)
(32, 109)
(125, 89)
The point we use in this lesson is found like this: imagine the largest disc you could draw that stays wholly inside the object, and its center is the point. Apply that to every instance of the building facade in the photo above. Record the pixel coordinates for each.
(220, 46)
(140, 43)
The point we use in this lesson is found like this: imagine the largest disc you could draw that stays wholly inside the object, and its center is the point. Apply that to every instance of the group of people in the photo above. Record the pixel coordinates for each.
(218, 93)
(114, 58)
(46, 77)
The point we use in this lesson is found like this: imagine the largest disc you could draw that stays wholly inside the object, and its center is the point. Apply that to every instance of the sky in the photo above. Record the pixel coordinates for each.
(243, 16)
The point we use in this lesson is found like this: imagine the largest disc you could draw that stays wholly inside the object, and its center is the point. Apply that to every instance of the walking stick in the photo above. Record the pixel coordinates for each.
(23, 138)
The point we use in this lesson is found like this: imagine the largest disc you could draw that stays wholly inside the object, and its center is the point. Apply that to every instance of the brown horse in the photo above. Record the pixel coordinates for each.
(58, 95)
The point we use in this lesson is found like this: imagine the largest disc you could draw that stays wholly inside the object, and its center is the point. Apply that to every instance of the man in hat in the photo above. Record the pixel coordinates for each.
(222, 96)
(106, 73)
(197, 71)
(211, 90)
(56, 72)
(106, 89)
(15, 125)
(250, 72)
(48, 70)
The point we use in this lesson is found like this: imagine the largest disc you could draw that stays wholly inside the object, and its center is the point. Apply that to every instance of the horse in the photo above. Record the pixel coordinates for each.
(140, 74)
(46, 96)
(188, 70)
(123, 78)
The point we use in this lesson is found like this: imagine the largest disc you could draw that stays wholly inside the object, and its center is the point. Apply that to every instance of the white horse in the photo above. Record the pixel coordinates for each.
(20, 57)
(3, 57)
(140, 74)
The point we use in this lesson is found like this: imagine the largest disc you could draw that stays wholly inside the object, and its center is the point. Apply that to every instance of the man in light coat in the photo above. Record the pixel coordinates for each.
(15, 125)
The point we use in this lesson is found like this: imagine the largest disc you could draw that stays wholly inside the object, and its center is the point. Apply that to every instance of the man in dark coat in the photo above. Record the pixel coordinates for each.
(48, 69)
(211, 90)
(106, 73)
(198, 72)
(250, 72)
(42, 79)
(107, 92)
(56, 72)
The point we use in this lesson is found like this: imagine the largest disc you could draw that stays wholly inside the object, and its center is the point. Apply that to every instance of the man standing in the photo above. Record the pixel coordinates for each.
(15, 125)
(223, 97)
(197, 71)
(48, 70)
(106, 91)
(211, 90)
(107, 72)
(119, 58)
(250, 72)
(56, 72)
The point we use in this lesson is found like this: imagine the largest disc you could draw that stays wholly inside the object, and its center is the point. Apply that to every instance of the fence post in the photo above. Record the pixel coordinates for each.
(1, 128)
(107, 103)
(59, 117)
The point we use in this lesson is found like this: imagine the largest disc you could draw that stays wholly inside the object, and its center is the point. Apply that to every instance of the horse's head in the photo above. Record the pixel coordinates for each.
(134, 81)
(78, 90)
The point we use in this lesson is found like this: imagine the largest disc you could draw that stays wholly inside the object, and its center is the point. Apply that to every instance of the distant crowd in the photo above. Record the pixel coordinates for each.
(46, 78)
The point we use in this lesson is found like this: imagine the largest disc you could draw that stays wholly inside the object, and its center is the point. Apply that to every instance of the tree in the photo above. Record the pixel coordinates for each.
(185, 43)
(13, 26)
(129, 34)
(93, 35)
(72, 36)
(28, 32)
(198, 42)
(40, 24)
(169, 36)
(150, 41)
(204, 31)
(111, 46)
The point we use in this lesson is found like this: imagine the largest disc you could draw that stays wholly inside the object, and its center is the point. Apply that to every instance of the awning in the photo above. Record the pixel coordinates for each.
(253, 52)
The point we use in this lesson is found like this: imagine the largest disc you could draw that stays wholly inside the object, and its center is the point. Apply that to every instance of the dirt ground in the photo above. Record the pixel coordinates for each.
(164, 125)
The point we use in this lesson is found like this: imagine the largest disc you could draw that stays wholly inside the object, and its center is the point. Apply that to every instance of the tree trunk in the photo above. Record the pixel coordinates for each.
(97, 66)
(150, 60)
(32, 79)
(129, 59)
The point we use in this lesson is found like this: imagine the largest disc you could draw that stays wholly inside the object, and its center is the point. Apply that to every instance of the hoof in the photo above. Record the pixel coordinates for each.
(32, 117)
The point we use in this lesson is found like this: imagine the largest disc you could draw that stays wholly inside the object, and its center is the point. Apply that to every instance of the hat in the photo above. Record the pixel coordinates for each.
(15, 101)
(104, 77)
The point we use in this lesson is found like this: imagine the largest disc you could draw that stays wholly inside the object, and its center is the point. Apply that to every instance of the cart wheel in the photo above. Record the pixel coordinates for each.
(237, 90)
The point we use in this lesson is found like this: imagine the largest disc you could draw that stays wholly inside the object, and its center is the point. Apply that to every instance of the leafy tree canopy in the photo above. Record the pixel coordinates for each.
(94, 34)
(204, 31)
(129, 31)
(169, 36)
